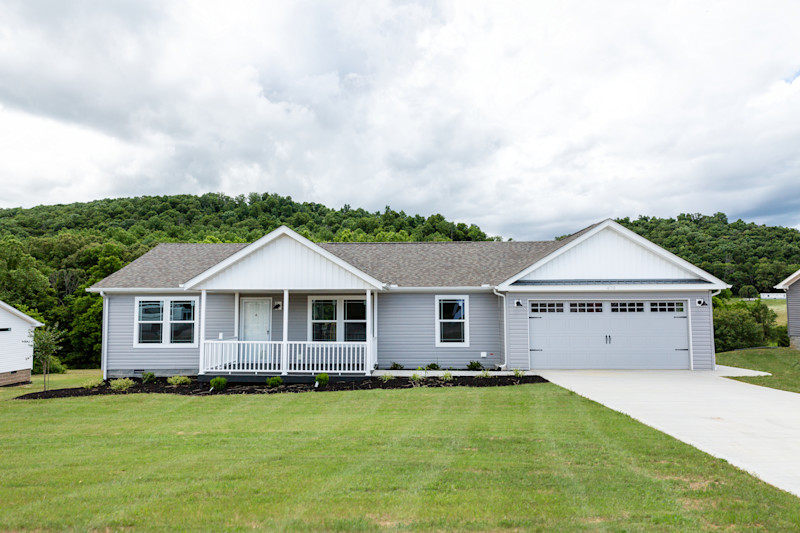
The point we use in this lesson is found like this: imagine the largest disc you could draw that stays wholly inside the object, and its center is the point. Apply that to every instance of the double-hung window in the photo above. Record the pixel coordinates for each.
(165, 322)
(337, 319)
(452, 321)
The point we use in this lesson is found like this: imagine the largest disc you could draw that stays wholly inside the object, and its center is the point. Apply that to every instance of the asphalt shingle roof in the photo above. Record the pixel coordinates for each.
(406, 264)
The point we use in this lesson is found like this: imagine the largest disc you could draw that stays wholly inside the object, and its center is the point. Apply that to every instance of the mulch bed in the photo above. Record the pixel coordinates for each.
(203, 389)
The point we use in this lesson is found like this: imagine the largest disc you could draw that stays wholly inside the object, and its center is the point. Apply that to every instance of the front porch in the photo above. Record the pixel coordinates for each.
(234, 357)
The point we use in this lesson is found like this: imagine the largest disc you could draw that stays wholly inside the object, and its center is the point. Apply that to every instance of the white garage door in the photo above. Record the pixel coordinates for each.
(609, 334)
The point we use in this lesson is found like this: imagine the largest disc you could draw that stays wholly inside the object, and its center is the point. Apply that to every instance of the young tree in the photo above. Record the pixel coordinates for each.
(46, 343)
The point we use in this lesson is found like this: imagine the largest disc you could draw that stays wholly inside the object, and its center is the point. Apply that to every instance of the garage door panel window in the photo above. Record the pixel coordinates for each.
(666, 307)
(627, 307)
(452, 320)
(547, 307)
(586, 307)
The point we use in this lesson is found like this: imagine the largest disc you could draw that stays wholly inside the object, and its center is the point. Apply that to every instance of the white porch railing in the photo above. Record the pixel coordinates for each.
(251, 357)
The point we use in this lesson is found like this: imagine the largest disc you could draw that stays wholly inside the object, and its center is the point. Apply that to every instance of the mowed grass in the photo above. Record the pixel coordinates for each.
(530, 457)
(71, 379)
(782, 363)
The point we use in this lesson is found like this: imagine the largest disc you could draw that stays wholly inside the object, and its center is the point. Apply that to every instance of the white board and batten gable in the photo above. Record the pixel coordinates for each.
(612, 256)
(15, 349)
(280, 260)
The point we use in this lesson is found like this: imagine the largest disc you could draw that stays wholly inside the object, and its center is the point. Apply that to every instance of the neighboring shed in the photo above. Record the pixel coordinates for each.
(16, 352)
(792, 287)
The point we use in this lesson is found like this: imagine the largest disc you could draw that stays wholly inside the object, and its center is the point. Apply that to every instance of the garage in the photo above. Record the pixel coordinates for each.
(630, 334)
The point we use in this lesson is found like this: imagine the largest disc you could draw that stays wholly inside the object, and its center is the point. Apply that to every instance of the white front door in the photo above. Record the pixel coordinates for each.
(255, 319)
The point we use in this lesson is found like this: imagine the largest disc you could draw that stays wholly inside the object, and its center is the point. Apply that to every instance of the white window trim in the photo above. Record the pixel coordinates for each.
(166, 300)
(340, 321)
(437, 321)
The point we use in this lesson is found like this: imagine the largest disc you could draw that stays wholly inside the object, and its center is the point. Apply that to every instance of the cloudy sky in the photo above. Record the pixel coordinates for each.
(530, 119)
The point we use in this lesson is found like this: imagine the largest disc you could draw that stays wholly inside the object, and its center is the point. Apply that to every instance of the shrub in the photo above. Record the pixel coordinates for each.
(474, 365)
(736, 328)
(446, 376)
(178, 380)
(415, 378)
(519, 373)
(93, 383)
(219, 383)
(433, 366)
(323, 379)
(484, 375)
(274, 381)
(56, 366)
(122, 384)
(385, 377)
(781, 335)
(396, 366)
(748, 291)
(148, 377)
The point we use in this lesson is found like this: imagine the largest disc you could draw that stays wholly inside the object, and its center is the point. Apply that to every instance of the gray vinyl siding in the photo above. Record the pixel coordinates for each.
(793, 309)
(701, 322)
(220, 316)
(407, 332)
(122, 358)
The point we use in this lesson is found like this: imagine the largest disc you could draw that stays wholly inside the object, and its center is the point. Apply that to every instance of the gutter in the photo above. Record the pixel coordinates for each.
(505, 329)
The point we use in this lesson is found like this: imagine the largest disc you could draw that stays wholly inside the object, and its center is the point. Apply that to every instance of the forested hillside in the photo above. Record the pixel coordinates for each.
(740, 253)
(50, 254)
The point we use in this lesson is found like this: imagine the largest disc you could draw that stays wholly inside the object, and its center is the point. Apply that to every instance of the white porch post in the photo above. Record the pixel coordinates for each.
(285, 338)
(368, 354)
(202, 330)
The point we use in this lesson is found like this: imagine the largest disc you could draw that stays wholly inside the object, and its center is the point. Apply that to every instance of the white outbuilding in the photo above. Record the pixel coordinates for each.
(16, 351)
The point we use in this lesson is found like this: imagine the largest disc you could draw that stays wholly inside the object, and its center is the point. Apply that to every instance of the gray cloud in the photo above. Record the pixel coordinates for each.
(531, 120)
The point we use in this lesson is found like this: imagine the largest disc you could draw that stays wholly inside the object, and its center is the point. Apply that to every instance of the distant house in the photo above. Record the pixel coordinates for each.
(16, 352)
(603, 297)
(792, 288)
(772, 295)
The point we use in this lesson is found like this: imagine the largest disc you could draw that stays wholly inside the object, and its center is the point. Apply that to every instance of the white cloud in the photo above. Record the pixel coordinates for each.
(530, 119)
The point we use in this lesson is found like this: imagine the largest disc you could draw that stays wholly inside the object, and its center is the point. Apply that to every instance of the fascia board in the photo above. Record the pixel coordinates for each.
(266, 239)
(19, 314)
(788, 282)
(140, 290)
(611, 289)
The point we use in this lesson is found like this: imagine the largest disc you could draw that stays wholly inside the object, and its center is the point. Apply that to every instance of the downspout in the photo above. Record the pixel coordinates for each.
(104, 338)
(505, 329)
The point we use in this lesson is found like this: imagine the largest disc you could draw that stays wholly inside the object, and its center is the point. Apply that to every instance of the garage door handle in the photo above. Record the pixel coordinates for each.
(537, 350)
(681, 349)
(684, 316)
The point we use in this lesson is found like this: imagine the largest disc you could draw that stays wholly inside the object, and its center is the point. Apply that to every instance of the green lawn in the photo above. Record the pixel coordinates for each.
(73, 378)
(782, 363)
(531, 457)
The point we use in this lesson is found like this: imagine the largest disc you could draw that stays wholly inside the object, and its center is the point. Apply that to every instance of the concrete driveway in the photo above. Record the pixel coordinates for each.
(754, 428)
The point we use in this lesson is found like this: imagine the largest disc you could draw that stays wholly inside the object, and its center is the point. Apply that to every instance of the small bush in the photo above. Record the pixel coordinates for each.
(415, 378)
(433, 366)
(323, 379)
(519, 373)
(274, 381)
(474, 365)
(385, 377)
(781, 334)
(178, 380)
(148, 377)
(748, 291)
(396, 366)
(219, 383)
(93, 383)
(484, 375)
(446, 376)
(121, 384)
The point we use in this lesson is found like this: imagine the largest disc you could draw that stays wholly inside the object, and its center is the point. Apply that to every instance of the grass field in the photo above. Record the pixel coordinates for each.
(73, 378)
(782, 363)
(530, 457)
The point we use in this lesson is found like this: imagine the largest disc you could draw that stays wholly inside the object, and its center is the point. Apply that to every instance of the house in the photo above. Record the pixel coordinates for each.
(603, 297)
(16, 352)
(772, 295)
(792, 288)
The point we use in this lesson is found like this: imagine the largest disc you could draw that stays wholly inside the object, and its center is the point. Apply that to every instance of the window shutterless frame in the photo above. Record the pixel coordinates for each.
(166, 322)
(337, 318)
(451, 321)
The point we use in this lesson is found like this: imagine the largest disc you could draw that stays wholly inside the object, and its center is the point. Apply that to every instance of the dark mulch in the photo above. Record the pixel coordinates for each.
(203, 389)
